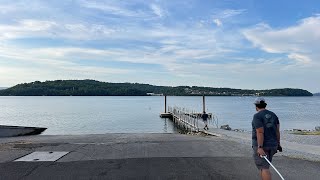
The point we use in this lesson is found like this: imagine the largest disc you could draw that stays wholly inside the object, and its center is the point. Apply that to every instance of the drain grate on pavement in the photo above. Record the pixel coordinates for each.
(43, 156)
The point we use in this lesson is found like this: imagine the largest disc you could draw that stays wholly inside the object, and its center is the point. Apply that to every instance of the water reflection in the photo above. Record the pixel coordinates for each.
(165, 127)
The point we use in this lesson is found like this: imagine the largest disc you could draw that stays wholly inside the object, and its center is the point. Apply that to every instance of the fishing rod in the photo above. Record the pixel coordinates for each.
(265, 157)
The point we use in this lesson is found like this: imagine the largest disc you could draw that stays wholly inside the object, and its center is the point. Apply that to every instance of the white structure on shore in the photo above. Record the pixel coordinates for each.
(153, 94)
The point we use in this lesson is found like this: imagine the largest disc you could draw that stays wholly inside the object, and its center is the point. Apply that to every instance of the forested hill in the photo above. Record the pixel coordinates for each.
(96, 88)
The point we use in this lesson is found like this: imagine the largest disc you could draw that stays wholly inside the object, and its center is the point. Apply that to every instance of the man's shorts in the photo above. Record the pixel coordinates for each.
(261, 163)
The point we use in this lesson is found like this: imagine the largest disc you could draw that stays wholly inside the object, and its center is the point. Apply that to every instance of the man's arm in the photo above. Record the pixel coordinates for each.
(279, 148)
(278, 134)
(260, 139)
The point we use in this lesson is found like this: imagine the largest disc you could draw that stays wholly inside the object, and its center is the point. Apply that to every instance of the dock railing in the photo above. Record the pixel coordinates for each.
(190, 120)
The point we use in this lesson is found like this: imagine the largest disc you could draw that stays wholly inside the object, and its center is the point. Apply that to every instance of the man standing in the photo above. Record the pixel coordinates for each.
(205, 120)
(265, 137)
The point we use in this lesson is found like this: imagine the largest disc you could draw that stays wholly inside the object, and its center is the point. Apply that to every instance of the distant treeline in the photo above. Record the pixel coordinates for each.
(96, 88)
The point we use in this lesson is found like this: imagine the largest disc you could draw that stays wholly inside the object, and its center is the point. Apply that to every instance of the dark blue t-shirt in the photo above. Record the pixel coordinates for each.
(269, 121)
(205, 116)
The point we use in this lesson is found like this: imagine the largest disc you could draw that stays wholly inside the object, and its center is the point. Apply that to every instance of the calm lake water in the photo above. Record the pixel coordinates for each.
(96, 115)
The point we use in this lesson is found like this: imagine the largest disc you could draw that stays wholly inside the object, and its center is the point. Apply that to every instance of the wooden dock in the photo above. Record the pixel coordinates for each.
(187, 120)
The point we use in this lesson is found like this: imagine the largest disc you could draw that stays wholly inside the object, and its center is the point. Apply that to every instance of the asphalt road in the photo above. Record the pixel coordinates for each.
(142, 156)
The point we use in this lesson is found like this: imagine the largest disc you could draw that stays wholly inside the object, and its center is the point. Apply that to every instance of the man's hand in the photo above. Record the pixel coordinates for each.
(261, 152)
(279, 148)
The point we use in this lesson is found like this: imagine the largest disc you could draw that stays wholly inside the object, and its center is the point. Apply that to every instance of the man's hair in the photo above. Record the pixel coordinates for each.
(261, 105)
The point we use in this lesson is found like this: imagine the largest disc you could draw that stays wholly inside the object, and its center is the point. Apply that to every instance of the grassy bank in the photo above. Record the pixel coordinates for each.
(306, 132)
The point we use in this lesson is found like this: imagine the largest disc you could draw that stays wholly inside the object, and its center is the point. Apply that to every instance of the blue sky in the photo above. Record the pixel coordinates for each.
(238, 44)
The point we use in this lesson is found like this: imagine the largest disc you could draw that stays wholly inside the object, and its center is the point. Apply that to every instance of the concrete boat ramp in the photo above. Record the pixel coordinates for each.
(138, 156)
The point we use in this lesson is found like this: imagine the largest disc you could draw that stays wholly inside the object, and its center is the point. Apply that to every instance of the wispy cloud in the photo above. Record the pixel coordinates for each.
(225, 15)
(217, 22)
(119, 8)
(29, 28)
(157, 10)
(18, 6)
(172, 43)
(25, 64)
(26, 28)
(300, 58)
(228, 13)
(300, 42)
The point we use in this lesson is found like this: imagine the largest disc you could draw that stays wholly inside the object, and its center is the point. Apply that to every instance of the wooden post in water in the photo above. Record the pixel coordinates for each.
(204, 103)
(165, 104)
